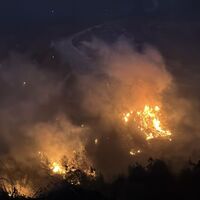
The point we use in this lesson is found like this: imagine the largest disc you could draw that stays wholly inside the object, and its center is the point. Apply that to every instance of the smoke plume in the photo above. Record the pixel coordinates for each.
(78, 116)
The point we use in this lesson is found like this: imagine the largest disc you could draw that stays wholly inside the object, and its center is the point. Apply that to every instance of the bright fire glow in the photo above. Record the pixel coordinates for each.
(57, 168)
(64, 170)
(148, 121)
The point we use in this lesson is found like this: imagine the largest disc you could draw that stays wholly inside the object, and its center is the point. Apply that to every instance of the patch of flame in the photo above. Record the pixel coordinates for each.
(17, 189)
(57, 168)
(63, 170)
(148, 122)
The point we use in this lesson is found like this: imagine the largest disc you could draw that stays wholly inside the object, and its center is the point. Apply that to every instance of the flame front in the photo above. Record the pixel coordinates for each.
(148, 122)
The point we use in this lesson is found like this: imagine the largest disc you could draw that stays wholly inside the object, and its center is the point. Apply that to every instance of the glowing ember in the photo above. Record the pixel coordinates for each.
(127, 116)
(96, 141)
(148, 122)
(134, 152)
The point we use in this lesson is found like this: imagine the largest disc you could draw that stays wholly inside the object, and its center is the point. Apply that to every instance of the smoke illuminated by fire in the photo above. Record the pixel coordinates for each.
(77, 125)
(148, 121)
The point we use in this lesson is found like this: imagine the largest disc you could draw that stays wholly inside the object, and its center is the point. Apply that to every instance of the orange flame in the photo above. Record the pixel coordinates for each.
(148, 122)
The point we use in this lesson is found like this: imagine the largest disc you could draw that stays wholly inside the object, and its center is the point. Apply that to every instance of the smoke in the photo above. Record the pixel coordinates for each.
(78, 118)
(118, 79)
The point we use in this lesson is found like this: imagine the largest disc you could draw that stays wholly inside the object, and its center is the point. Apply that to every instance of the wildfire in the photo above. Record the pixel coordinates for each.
(69, 170)
(148, 122)
(71, 166)
(68, 167)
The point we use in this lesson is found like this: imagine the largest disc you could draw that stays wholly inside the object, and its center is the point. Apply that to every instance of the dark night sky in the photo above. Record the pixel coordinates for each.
(27, 19)
(13, 12)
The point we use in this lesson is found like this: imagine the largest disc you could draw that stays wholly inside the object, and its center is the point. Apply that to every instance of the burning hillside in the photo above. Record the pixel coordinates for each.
(101, 116)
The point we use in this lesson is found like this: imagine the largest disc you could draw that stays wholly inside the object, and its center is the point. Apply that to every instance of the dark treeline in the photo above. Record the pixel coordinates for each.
(155, 181)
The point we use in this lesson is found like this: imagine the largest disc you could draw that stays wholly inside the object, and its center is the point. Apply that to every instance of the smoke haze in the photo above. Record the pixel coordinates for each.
(79, 110)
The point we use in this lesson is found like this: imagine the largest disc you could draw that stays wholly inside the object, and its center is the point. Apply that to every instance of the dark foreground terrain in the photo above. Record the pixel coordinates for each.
(155, 181)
